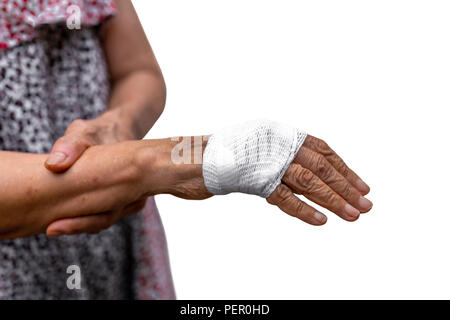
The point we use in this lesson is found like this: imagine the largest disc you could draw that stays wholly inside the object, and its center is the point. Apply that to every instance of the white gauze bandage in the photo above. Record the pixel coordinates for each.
(251, 157)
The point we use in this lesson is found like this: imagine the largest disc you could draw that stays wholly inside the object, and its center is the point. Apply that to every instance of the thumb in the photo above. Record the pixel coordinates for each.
(65, 152)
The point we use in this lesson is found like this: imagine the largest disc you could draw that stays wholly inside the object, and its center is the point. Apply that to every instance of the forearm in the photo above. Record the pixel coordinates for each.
(32, 197)
(105, 177)
(165, 173)
(138, 91)
(137, 100)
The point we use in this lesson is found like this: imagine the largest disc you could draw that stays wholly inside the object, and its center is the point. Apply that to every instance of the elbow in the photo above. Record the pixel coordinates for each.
(163, 90)
(157, 86)
(156, 89)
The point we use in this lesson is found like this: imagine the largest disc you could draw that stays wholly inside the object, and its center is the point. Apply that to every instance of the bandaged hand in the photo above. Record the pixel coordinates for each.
(263, 158)
(276, 162)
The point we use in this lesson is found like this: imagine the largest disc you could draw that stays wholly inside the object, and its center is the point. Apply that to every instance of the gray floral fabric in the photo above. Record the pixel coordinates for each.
(45, 84)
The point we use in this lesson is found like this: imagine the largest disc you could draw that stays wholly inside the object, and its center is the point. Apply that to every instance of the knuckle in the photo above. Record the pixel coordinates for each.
(345, 170)
(323, 168)
(283, 194)
(321, 143)
(112, 126)
(276, 196)
(342, 167)
(90, 131)
(334, 202)
(74, 140)
(61, 140)
(306, 179)
(322, 146)
(290, 174)
(347, 191)
(81, 141)
(78, 124)
(271, 199)
(82, 130)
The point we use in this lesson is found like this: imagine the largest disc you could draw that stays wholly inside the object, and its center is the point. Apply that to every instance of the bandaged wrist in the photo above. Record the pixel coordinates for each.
(251, 157)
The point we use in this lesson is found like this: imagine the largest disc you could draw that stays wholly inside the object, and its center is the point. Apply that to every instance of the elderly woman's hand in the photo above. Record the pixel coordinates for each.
(82, 134)
(316, 172)
(319, 174)
(79, 136)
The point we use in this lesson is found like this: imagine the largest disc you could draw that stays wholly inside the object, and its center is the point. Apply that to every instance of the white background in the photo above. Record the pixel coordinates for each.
(372, 78)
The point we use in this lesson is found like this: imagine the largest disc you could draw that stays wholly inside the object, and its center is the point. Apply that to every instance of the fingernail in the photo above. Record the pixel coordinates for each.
(362, 186)
(351, 211)
(364, 203)
(319, 217)
(56, 158)
(55, 233)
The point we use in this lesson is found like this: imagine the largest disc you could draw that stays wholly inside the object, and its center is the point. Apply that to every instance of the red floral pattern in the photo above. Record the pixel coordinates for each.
(19, 18)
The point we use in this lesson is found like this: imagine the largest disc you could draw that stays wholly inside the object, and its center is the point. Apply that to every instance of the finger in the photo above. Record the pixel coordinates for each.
(303, 181)
(134, 207)
(322, 147)
(66, 151)
(284, 198)
(86, 224)
(93, 223)
(320, 166)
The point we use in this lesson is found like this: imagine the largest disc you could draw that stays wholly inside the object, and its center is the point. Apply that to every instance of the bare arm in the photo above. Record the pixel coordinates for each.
(137, 99)
(138, 92)
(111, 177)
(107, 177)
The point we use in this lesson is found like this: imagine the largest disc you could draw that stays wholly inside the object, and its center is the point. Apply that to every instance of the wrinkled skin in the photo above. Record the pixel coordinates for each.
(319, 174)
(110, 181)
(316, 172)
(137, 100)
(79, 136)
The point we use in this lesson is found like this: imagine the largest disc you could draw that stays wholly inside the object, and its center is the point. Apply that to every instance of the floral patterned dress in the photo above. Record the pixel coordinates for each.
(51, 75)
